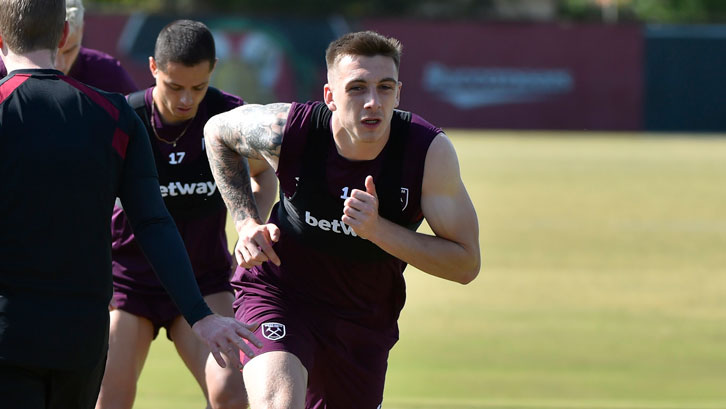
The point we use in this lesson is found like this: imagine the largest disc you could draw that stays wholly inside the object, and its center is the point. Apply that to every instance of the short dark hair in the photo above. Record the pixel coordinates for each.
(366, 43)
(30, 25)
(186, 42)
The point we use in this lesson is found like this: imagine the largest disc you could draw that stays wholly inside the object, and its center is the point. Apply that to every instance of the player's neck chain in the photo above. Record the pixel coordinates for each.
(156, 134)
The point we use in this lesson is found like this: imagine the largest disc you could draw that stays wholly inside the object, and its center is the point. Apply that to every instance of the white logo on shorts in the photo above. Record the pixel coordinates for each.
(273, 331)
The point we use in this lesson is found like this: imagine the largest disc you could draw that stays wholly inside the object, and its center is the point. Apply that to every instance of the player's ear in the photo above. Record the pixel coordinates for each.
(398, 94)
(328, 97)
(64, 36)
(152, 66)
(212, 65)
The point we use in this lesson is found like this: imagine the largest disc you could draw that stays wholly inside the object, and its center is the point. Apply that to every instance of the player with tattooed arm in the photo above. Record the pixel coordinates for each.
(324, 276)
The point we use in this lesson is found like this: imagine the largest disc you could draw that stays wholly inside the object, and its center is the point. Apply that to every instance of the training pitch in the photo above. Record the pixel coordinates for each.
(602, 285)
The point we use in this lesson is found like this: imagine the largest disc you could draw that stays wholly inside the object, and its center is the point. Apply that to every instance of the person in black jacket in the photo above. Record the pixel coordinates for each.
(66, 152)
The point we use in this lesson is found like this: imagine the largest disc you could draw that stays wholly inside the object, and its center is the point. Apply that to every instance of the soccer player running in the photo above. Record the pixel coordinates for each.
(89, 66)
(174, 112)
(324, 276)
(82, 148)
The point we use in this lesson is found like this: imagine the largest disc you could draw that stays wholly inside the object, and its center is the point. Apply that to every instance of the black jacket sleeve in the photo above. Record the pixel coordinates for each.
(154, 227)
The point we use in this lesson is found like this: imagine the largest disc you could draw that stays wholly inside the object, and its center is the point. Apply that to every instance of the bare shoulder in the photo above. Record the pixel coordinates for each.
(255, 115)
(278, 110)
(252, 130)
(442, 163)
(441, 145)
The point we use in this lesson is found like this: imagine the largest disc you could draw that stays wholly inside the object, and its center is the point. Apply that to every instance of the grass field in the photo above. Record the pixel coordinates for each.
(602, 286)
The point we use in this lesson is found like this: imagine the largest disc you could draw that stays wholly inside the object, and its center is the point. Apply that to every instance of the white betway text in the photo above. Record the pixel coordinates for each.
(182, 189)
(336, 226)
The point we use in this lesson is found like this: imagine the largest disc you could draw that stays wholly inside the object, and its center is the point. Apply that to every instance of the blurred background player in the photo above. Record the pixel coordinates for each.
(83, 148)
(91, 67)
(324, 276)
(174, 112)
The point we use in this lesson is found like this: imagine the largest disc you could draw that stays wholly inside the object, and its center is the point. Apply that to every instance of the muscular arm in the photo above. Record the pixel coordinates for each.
(243, 146)
(250, 132)
(453, 251)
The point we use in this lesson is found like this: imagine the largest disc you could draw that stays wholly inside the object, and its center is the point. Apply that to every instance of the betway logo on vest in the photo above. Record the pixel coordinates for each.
(184, 189)
(336, 226)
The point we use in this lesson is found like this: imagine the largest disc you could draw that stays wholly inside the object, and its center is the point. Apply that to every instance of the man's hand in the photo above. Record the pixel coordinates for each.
(225, 335)
(360, 210)
(254, 246)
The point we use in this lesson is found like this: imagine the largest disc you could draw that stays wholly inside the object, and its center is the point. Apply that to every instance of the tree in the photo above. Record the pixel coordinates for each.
(649, 11)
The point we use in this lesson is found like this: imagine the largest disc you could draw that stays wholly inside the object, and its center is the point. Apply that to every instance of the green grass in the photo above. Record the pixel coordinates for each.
(602, 283)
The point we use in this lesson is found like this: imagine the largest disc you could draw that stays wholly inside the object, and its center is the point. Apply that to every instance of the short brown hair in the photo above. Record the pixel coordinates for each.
(187, 42)
(366, 43)
(30, 25)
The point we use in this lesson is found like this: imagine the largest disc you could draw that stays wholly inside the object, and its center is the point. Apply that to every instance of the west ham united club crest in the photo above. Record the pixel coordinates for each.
(273, 331)
(404, 198)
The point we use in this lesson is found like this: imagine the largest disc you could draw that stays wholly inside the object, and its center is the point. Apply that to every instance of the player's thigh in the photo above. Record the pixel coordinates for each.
(225, 386)
(276, 379)
(129, 341)
(130, 337)
(193, 351)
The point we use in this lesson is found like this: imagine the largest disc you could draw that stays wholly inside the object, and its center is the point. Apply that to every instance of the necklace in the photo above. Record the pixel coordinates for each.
(156, 134)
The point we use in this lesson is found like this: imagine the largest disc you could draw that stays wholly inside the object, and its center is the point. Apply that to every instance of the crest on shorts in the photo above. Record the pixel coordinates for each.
(273, 331)
(404, 198)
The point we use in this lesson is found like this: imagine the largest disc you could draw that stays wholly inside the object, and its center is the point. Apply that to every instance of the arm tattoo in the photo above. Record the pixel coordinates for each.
(249, 131)
(256, 132)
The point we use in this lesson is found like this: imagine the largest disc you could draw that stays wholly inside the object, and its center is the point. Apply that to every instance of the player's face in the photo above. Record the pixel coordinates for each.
(362, 92)
(180, 89)
(67, 54)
